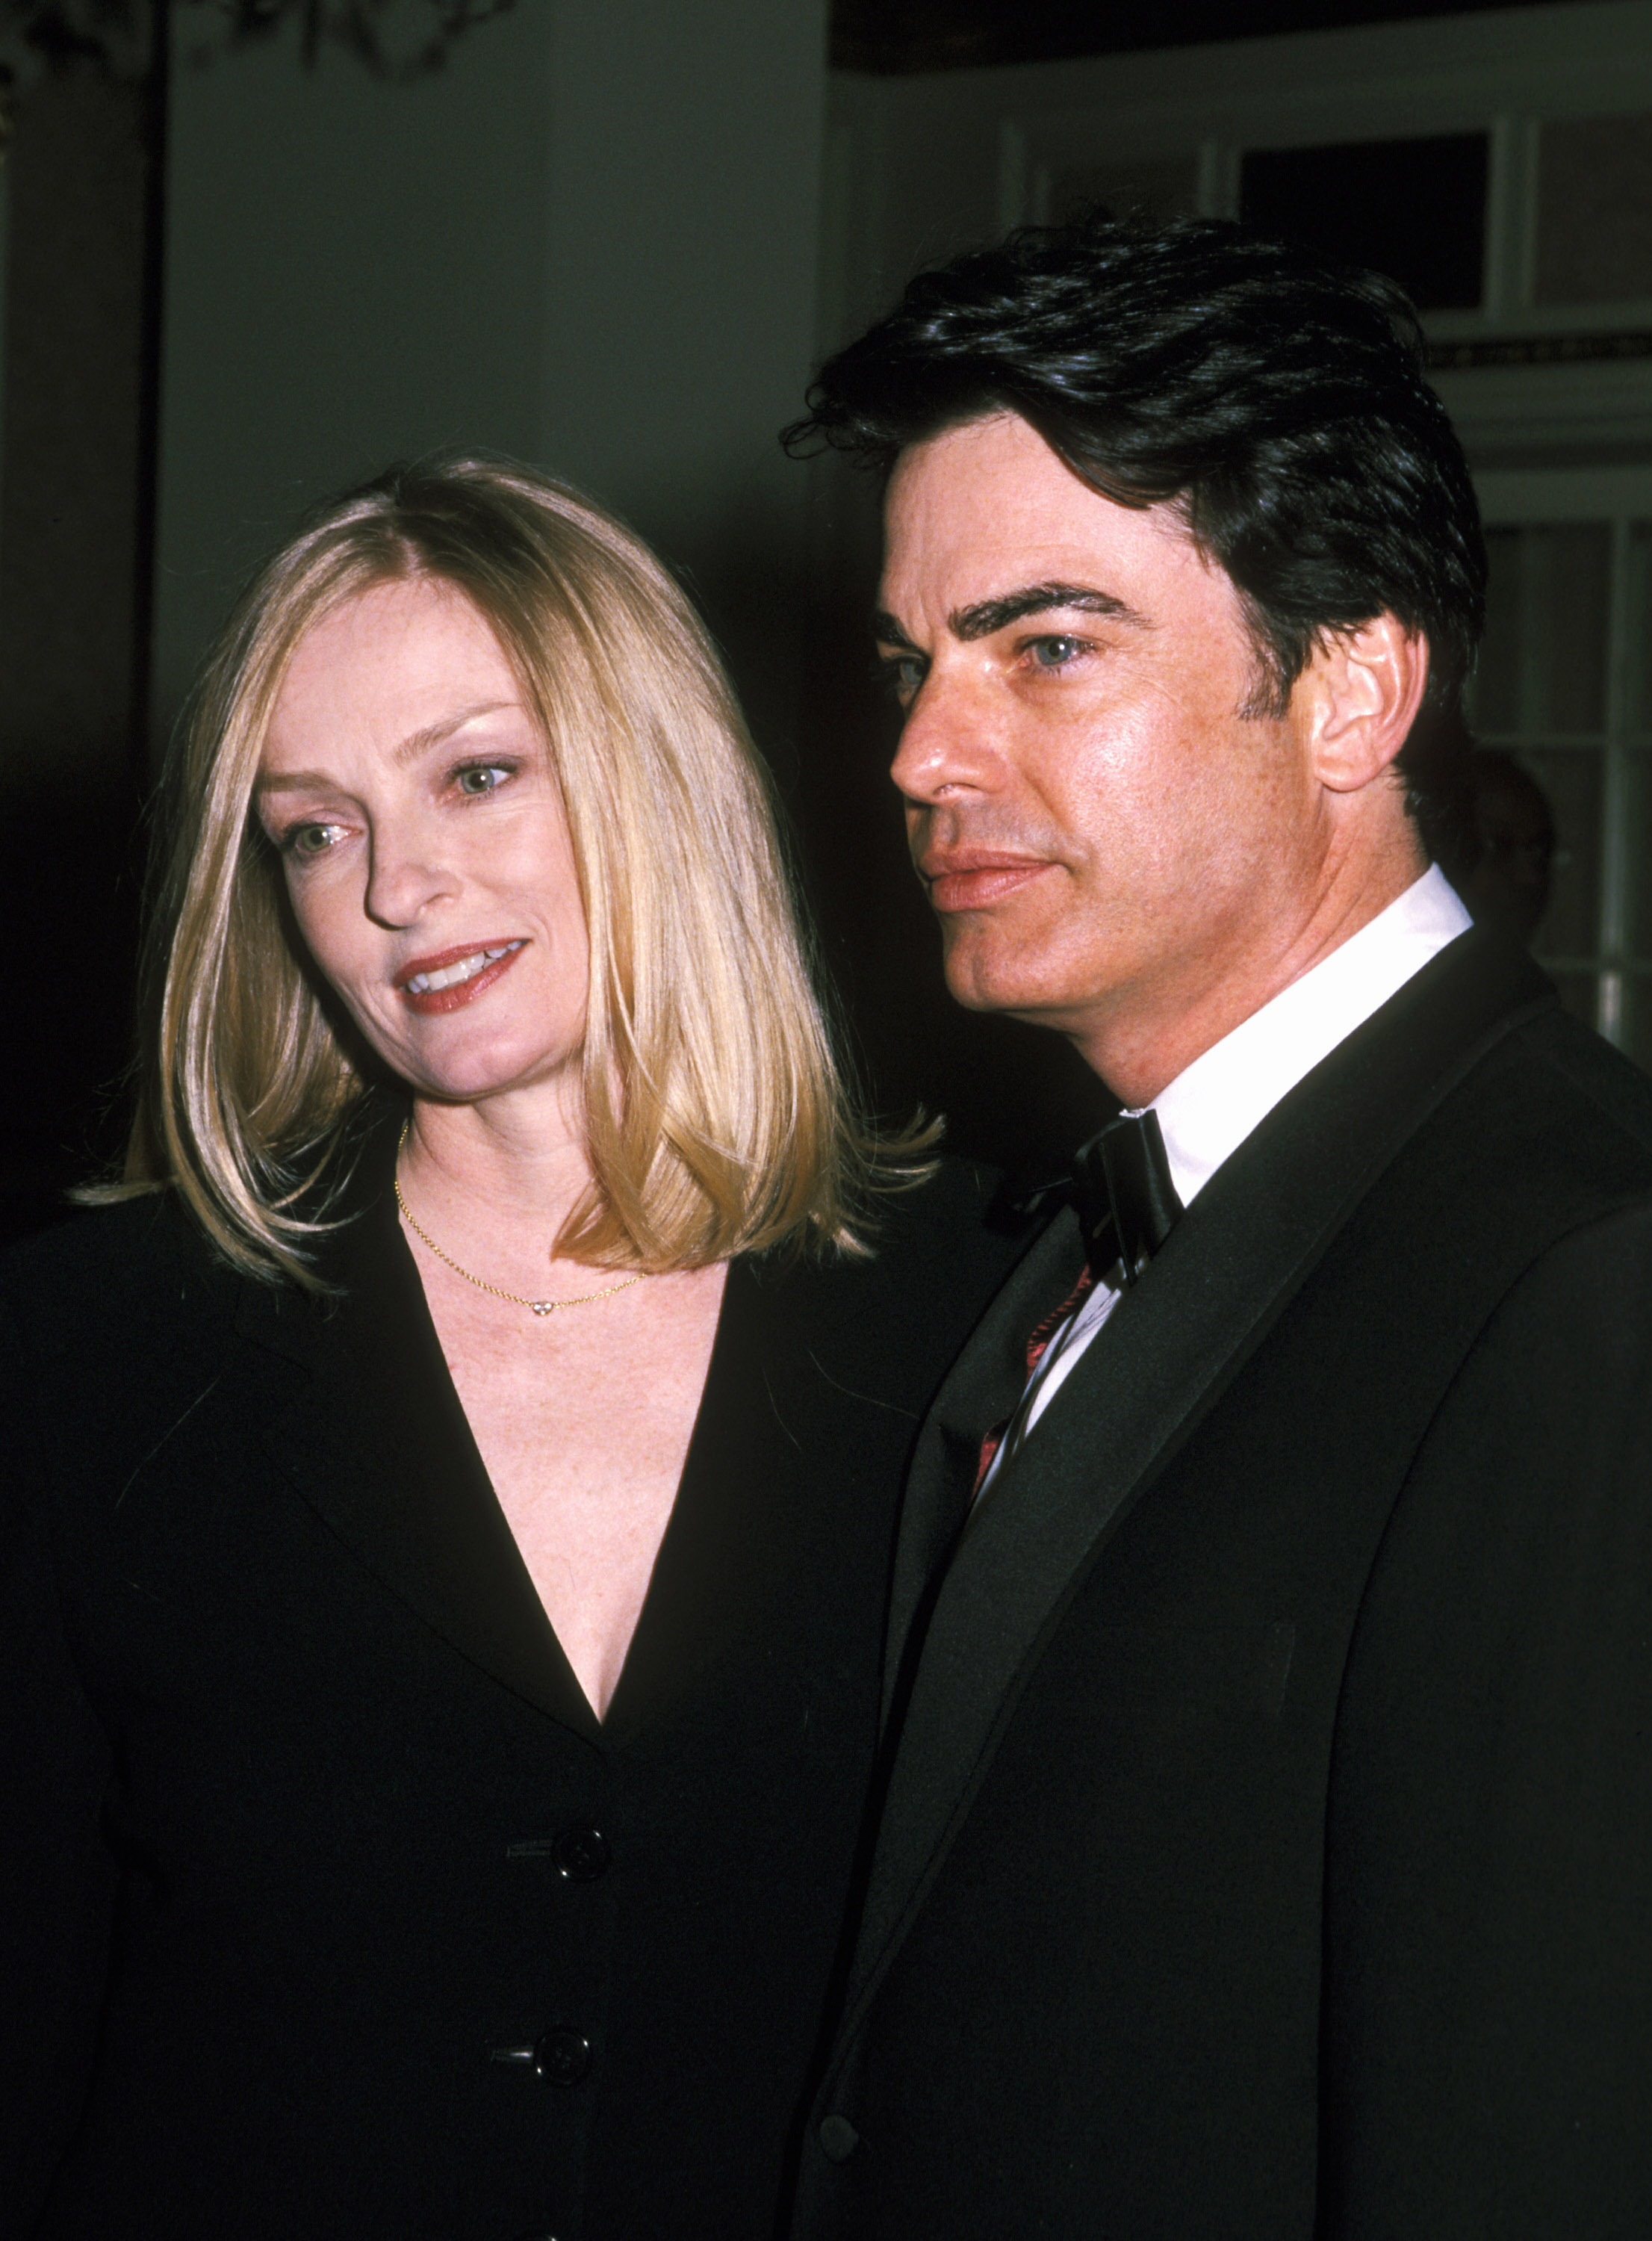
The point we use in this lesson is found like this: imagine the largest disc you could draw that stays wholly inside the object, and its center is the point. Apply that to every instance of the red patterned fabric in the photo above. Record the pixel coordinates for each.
(1037, 1345)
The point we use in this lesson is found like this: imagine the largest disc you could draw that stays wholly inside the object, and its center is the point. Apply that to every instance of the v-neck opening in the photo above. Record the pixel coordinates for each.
(418, 1385)
(689, 1612)
(419, 1507)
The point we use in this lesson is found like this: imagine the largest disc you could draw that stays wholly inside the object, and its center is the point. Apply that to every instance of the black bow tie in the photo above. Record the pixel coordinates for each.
(1126, 1202)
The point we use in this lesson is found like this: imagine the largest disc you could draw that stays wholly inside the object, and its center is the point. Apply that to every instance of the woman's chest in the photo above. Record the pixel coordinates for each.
(583, 1429)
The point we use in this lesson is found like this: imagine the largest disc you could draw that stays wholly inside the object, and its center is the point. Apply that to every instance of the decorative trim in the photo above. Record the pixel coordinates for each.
(905, 38)
(119, 36)
(1537, 350)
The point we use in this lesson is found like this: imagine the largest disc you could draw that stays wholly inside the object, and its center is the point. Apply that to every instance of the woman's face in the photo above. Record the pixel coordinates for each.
(410, 796)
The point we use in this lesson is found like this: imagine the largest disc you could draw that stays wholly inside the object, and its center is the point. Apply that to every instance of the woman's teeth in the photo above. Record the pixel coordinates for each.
(426, 984)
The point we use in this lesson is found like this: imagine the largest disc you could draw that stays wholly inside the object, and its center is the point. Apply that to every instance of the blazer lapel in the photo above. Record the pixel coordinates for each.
(1170, 1347)
(376, 1441)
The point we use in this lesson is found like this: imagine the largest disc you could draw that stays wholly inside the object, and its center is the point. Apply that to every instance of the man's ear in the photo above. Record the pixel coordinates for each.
(1364, 688)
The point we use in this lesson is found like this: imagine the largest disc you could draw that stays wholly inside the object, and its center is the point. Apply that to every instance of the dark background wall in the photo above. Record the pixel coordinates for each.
(588, 239)
(76, 537)
(605, 235)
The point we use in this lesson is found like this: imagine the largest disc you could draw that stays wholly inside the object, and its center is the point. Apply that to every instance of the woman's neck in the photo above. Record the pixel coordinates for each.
(499, 1180)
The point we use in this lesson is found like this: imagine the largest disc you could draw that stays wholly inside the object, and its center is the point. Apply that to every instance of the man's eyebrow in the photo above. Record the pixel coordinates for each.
(407, 750)
(887, 631)
(987, 616)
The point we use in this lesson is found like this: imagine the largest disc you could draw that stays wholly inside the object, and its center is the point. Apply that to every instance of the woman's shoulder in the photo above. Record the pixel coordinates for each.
(937, 1253)
(112, 1289)
(954, 1229)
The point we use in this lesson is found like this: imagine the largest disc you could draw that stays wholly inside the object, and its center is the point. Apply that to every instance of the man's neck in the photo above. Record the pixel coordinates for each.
(1140, 1046)
(1215, 1102)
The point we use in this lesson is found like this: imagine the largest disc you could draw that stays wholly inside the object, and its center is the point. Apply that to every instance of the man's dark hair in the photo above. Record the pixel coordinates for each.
(1275, 397)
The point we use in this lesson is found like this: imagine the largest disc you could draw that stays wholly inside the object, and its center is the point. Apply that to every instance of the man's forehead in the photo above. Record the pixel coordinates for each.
(983, 516)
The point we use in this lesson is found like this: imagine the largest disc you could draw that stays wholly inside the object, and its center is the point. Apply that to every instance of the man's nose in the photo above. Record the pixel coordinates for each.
(946, 743)
(407, 873)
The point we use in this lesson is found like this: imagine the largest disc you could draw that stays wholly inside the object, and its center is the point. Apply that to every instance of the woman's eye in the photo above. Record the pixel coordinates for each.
(307, 841)
(481, 778)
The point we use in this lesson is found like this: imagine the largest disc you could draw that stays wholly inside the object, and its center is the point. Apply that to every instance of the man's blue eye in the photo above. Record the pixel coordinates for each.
(901, 677)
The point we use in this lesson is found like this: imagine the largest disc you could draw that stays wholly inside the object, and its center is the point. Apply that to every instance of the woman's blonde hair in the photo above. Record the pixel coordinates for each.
(717, 1117)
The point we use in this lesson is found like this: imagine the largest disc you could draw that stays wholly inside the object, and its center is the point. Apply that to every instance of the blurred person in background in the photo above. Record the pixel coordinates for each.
(1504, 865)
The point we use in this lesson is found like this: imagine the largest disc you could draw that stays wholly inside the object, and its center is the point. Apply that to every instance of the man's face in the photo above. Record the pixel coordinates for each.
(1108, 842)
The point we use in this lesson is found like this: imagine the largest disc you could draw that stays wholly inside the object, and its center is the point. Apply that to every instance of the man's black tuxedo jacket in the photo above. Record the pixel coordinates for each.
(295, 1786)
(1266, 1849)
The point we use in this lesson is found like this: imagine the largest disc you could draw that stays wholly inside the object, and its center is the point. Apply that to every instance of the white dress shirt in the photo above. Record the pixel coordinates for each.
(1213, 1105)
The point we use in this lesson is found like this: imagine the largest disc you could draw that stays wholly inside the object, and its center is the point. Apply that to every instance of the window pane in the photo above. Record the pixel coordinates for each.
(1638, 611)
(1414, 209)
(1637, 1019)
(1543, 666)
(1638, 850)
(1495, 696)
(1572, 779)
(1594, 210)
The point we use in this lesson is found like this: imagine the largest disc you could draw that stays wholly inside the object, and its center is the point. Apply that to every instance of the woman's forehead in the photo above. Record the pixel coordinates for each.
(386, 668)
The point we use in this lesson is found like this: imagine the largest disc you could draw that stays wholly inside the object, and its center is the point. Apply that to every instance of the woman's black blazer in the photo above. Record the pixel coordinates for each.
(327, 1908)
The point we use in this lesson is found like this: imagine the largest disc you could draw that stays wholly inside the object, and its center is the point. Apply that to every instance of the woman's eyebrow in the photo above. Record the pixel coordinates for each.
(432, 735)
(408, 751)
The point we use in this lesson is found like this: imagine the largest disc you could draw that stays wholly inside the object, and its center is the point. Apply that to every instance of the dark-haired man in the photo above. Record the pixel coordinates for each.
(1266, 1844)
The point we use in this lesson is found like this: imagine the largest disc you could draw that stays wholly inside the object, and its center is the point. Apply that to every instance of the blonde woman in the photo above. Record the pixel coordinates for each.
(445, 1577)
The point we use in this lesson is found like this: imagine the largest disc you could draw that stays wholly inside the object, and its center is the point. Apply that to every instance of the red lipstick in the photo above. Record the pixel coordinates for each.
(489, 961)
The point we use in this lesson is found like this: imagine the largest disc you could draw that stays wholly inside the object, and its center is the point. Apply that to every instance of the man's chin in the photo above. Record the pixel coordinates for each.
(982, 985)
(1001, 982)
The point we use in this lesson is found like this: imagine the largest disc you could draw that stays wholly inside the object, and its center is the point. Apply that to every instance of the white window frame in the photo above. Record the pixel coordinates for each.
(1616, 497)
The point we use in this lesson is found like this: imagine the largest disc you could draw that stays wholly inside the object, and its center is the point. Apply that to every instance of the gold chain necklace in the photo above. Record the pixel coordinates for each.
(539, 1307)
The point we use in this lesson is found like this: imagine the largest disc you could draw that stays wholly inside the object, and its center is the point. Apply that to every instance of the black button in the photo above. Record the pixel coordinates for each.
(562, 2056)
(839, 2138)
(581, 1855)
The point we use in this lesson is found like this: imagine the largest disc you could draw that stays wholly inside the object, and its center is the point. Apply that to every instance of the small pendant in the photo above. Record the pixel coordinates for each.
(544, 1307)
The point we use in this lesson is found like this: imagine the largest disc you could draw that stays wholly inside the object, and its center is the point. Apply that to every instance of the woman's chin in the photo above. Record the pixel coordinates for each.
(483, 1080)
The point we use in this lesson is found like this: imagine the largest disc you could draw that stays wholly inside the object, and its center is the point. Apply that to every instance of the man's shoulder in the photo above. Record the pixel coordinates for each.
(1579, 1064)
(1474, 1081)
(1555, 1104)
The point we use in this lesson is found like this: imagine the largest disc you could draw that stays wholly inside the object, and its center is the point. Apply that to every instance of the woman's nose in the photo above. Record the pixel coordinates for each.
(407, 873)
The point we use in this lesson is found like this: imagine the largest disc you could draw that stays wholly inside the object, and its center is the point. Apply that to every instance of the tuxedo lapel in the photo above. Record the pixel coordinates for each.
(375, 1440)
(980, 1391)
(1170, 1347)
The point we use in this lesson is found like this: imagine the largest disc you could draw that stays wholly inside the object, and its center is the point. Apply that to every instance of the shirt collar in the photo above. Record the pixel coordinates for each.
(1213, 1105)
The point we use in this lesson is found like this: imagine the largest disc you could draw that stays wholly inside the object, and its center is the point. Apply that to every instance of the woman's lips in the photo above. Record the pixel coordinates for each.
(446, 983)
(975, 882)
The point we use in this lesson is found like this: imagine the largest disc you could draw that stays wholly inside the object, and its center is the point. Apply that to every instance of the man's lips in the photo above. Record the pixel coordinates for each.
(456, 977)
(977, 878)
